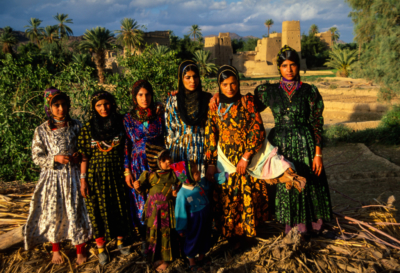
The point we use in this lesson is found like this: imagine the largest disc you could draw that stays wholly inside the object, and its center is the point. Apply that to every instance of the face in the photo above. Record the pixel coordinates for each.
(229, 87)
(103, 107)
(165, 163)
(59, 109)
(196, 174)
(191, 80)
(143, 98)
(289, 70)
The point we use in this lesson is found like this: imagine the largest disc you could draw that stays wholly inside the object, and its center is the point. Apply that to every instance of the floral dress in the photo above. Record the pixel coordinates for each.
(57, 210)
(159, 214)
(242, 201)
(184, 141)
(298, 129)
(138, 134)
(107, 201)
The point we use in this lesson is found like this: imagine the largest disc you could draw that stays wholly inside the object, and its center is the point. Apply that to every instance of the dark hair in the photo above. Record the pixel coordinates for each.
(62, 96)
(193, 68)
(290, 55)
(164, 155)
(226, 74)
(142, 84)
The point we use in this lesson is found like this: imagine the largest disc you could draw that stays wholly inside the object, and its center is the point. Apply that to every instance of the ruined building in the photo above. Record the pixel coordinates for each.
(220, 48)
(326, 37)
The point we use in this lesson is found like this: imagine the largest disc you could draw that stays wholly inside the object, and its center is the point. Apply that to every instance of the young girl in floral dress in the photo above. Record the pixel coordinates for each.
(57, 210)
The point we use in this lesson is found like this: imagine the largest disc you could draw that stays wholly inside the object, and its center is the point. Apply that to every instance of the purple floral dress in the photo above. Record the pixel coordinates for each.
(138, 134)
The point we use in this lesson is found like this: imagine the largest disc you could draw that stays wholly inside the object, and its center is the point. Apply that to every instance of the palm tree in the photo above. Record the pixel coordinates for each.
(63, 29)
(82, 59)
(98, 40)
(159, 50)
(130, 35)
(50, 34)
(8, 40)
(335, 34)
(33, 31)
(195, 31)
(268, 23)
(342, 59)
(202, 59)
(313, 29)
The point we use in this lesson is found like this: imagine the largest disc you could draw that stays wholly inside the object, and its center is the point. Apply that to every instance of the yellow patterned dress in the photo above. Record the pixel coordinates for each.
(107, 202)
(242, 201)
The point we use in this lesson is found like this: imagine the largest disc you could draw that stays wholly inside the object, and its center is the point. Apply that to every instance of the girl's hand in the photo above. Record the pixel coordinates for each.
(211, 170)
(317, 165)
(76, 158)
(62, 159)
(129, 181)
(84, 188)
(136, 185)
(242, 166)
(214, 101)
(175, 193)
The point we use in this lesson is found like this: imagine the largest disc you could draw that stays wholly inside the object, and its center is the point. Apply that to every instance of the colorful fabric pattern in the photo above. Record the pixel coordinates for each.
(185, 142)
(107, 202)
(138, 134)
(57, 211)
(298, 129)
(242, 201)
(159, 214)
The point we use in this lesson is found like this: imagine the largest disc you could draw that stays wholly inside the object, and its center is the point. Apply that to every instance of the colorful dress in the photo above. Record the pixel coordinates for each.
(159, 214)
(107, 201)
(298, 129)
(57, 210)
(193, 218)
(138, 134)
(185, 142)
(242, 201)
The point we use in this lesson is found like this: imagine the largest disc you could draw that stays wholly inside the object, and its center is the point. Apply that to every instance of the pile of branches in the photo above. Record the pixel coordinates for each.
(359, 239)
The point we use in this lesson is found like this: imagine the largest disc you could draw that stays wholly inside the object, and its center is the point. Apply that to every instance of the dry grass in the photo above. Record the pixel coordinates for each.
(367, 241)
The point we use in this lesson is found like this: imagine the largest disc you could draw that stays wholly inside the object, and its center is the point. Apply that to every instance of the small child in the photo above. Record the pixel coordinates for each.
(192, 212)
(158, 213)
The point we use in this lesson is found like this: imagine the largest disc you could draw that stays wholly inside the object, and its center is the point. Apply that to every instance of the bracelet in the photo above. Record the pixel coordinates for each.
(83, 175)
(245, 159)
(126, 173)
(318, 155)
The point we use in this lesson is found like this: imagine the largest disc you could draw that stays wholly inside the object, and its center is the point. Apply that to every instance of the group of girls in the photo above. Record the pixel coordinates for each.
(176, 173)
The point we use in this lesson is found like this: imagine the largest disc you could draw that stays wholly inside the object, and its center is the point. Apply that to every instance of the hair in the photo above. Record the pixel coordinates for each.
(290, 55)
(193, 68)
(226, 74)
(164, 155)
(142, 84)
(61, 96)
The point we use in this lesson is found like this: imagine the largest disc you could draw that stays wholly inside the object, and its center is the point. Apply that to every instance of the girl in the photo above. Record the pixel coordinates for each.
(57, 210)
(102, 181)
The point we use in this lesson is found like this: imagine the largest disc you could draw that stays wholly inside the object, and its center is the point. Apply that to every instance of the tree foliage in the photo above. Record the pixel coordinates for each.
(184, 47)
(242, 45)
(377, 29)
(268, 23)
(335, 34)
(195, 31)
(313, 30)
(8, 40)
(130, 34)
(314, 50)
(62, 29)
(203, 61)
(33, 31)
(342, 59)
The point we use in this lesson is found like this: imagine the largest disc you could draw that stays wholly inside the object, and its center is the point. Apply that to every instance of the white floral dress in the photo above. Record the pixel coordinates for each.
(57, 210)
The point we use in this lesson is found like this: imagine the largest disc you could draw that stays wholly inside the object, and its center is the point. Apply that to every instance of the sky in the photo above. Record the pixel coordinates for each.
(245, 17)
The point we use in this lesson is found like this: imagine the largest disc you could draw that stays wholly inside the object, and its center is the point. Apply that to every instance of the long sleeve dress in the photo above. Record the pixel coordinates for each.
(57, 210)
(242, 201)
(185, 142)
(107, 202)
(159, 214)
(298, 130)
(138, 134)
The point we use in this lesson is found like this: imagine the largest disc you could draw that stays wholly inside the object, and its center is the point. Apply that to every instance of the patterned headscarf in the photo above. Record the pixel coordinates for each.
(233, 70)
(192, 105)
(49, 95)
(105, 128)
(183, 172)
(139, 113)
(288, 53)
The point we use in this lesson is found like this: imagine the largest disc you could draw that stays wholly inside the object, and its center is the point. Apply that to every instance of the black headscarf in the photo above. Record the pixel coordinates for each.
(105, 128)
(192, 105)
(288, 53)
(224, 72)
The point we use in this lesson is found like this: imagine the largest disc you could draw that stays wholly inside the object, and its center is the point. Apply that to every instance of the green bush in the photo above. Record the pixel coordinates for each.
(392, 118)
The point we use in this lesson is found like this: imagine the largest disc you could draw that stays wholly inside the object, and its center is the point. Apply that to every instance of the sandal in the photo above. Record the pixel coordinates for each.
(195, 268)
(103, 258)
(124, 250)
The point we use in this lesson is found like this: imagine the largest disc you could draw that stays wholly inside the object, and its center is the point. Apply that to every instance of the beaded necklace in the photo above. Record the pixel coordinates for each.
(114, 143)
(226, 111)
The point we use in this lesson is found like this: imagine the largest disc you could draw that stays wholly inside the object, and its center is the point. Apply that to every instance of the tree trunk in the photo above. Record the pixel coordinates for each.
(100, 62)
(11, 238)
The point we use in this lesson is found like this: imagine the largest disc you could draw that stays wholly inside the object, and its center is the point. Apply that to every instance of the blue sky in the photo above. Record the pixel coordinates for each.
(245, 17)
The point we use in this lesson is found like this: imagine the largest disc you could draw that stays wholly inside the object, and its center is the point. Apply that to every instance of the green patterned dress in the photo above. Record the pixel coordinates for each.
(298, 129)
(107, 202)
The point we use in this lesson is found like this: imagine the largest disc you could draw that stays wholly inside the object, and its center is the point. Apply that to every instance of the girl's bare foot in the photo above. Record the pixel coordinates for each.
(162, 266)
(57, 258)
(81, 259)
